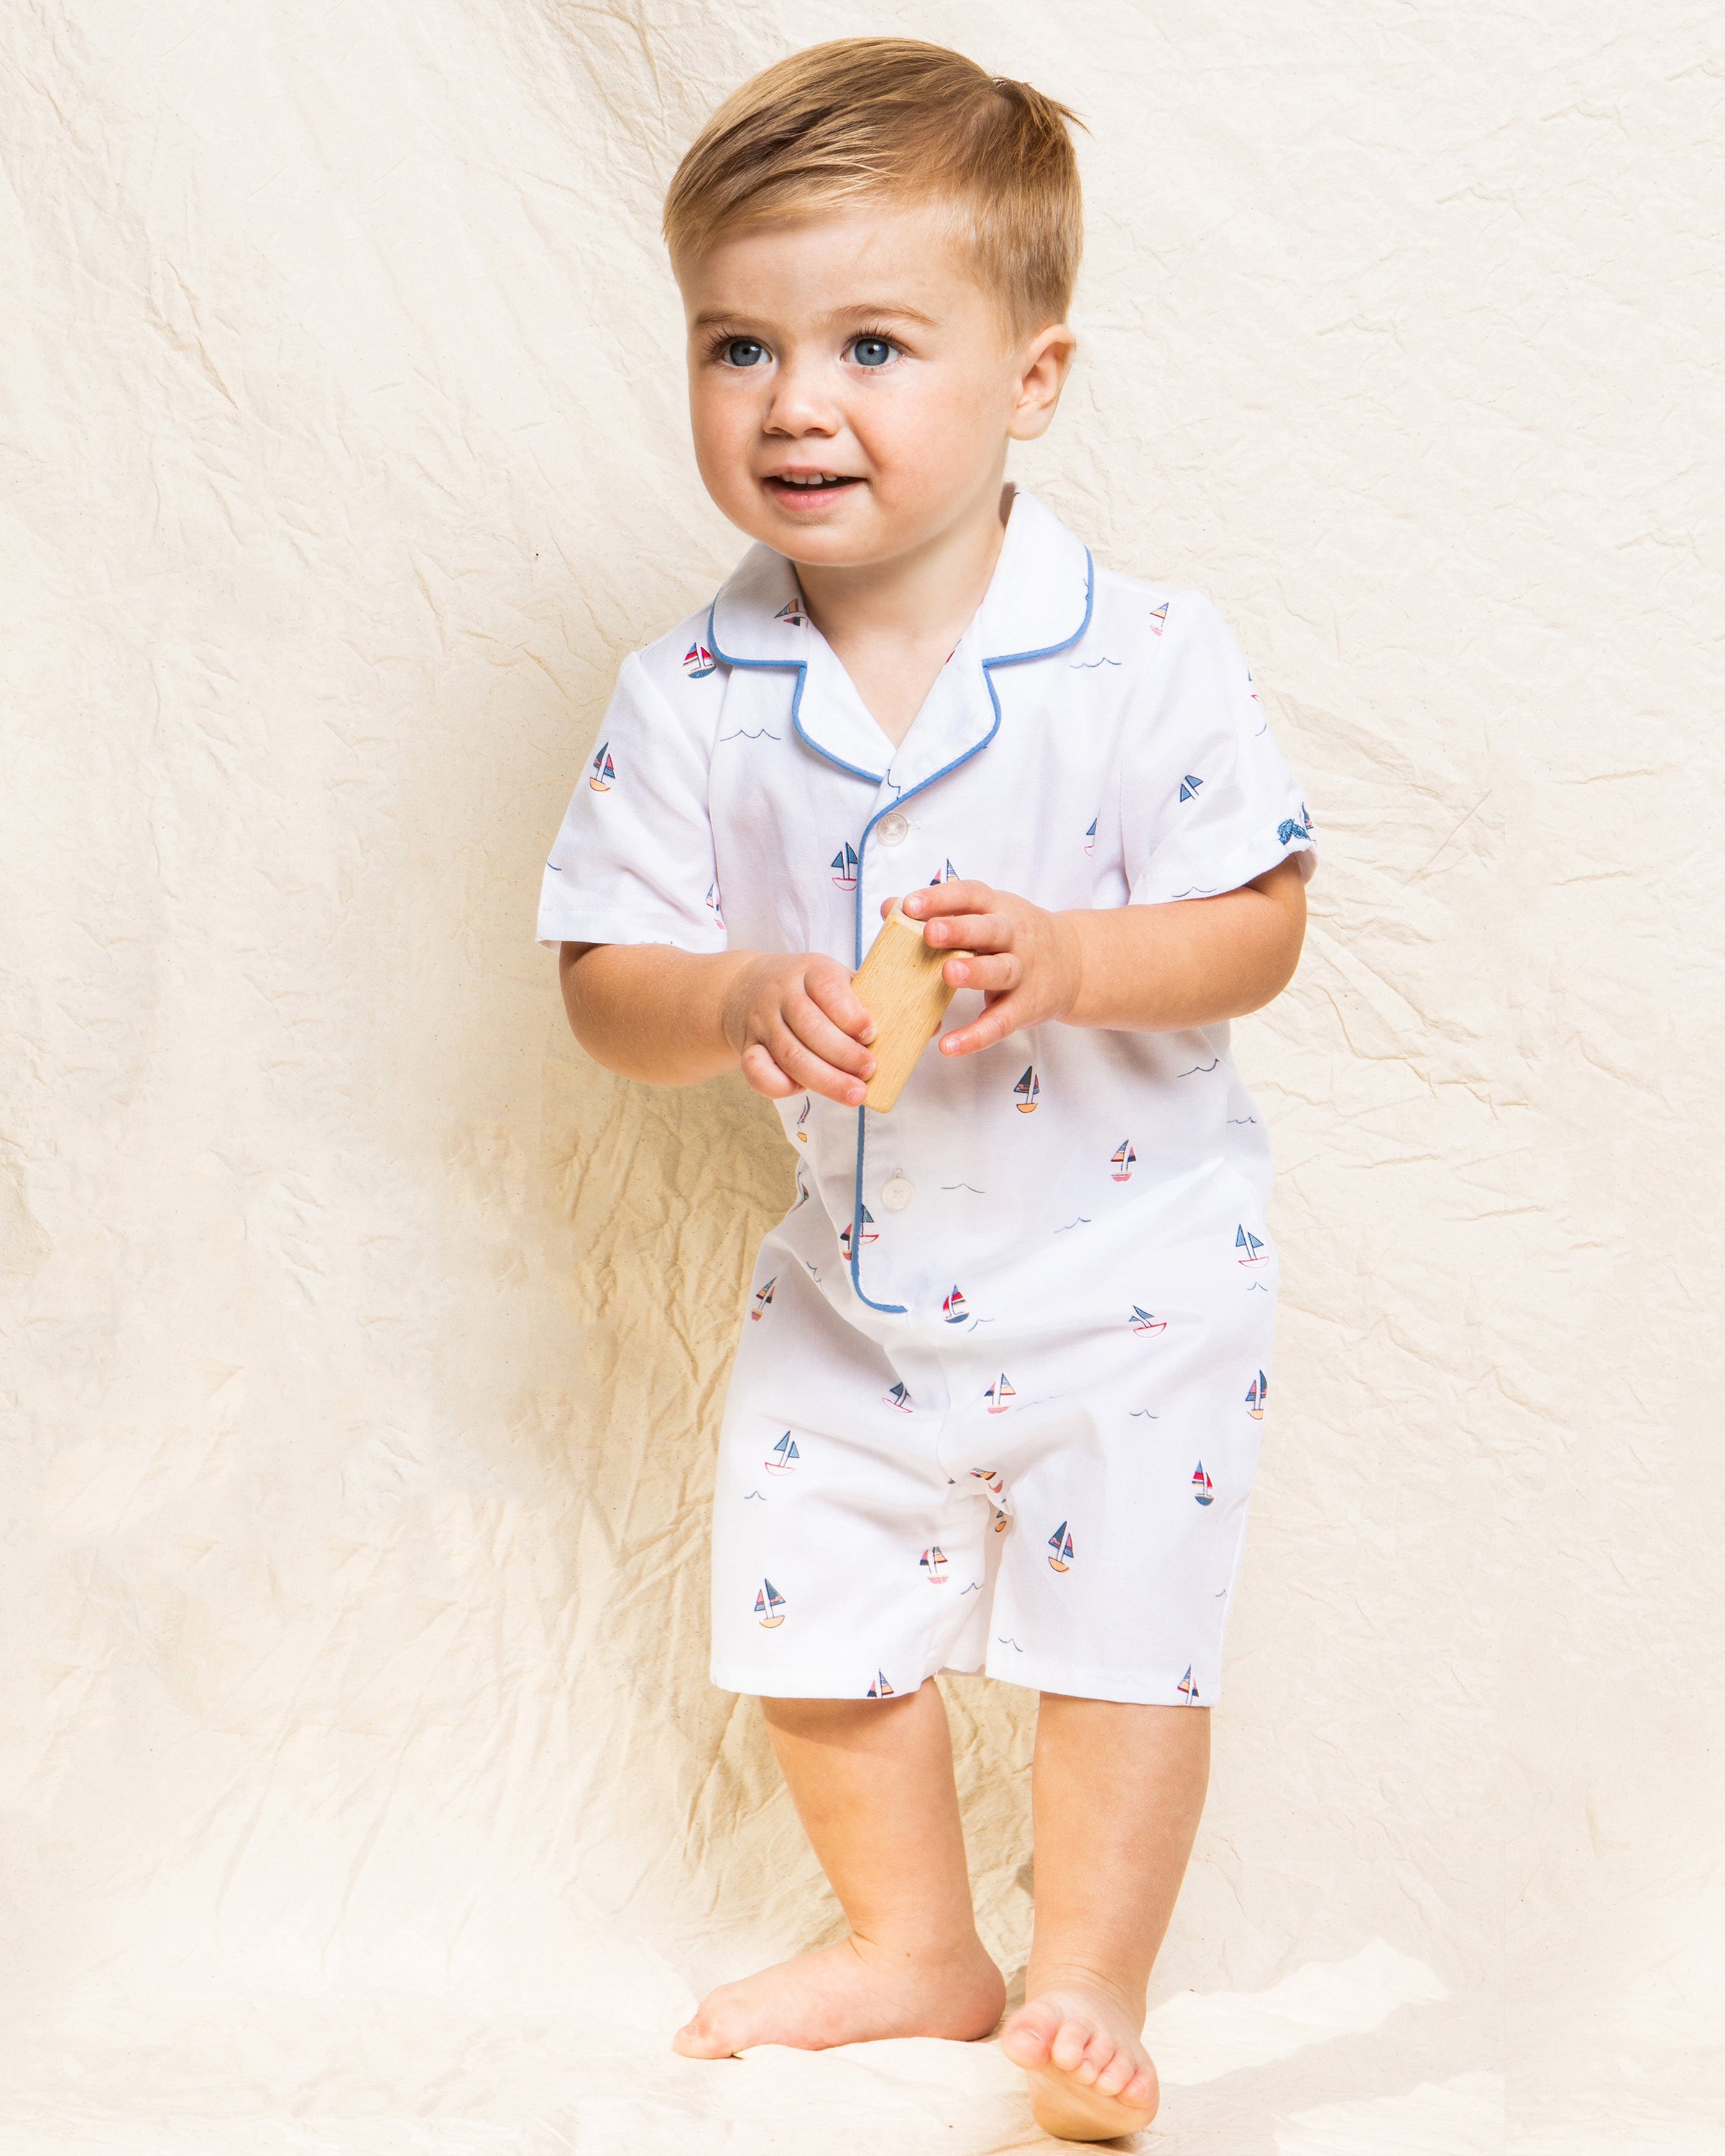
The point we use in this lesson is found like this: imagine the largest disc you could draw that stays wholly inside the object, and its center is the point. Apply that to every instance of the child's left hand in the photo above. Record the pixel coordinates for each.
(1026, 960)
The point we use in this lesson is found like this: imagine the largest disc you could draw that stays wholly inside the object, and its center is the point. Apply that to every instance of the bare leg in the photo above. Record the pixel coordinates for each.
(872, 1780)
(1117, 1791)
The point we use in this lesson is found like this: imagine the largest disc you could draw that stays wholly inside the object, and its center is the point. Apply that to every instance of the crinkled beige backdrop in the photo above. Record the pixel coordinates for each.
(363, 1789)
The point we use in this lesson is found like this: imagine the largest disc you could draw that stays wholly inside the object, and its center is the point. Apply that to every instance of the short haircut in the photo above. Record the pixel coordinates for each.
(879, 118)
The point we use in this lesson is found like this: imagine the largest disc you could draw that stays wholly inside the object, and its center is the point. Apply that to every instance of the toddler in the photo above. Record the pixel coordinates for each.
(999, 1392)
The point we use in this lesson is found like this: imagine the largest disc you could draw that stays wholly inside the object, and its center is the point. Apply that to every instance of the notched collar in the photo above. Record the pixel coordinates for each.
(1037, 599)
(1038, 602)
(757, 618)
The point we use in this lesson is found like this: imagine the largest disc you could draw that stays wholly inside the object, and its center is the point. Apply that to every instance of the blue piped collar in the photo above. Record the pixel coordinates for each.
(1038, 600)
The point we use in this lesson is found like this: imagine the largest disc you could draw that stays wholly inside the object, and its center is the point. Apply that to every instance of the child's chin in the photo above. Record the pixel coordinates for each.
(845, 514)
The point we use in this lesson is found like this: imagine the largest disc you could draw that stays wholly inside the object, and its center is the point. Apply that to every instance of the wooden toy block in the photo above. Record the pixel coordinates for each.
(901, 987)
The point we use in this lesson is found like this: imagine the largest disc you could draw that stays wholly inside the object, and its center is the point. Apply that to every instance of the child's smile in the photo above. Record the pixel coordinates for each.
(801, 491)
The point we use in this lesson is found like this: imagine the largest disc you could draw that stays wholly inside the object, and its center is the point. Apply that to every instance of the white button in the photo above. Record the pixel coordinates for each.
(895, 1193)
(891, 828)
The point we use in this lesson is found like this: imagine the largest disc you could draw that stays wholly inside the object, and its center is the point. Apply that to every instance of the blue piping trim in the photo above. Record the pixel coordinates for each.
(891, 1309)
(1048, 650)
(1009, 658)
(800, 667)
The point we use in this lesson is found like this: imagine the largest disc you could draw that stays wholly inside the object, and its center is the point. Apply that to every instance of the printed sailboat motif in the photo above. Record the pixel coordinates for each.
(763, 1300)
(1061, 1542)
(604, 771)
(1188, 1688)
(783, 1457)
(697, 661)
(712, 902)
(1251, 1248)
(1000, 1395)
(769, 1605)
(792, 611)
(1142, 1322)
(900, 1398)
(954, 1308)
(995, 1483)
(801, 1130)
(933, 1562)
(1027, 1090)
(1124, 1161)
(1159, 619)
(1203, 1489)
(871, 1232)
(1256, 1394)
(843, 864)
(1189, 787)
(880, 1689)
(1089, 836)
(946, 874)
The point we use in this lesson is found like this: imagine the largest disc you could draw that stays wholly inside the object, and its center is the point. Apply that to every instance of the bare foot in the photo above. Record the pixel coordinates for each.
(1091, 2077)
(850, 1993)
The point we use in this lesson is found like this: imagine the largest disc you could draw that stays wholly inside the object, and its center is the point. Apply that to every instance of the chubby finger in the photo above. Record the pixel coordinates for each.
(1002, 1017)
(812, 1072)
(970, 931)
(764, 1074)
(997, 973)
(827, 987)
(810, 1023)
(959, 894)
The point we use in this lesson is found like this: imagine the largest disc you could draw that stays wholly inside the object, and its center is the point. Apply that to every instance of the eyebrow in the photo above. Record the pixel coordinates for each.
(855, 309)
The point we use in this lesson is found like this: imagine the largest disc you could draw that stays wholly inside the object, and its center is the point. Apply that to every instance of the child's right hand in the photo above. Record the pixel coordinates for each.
(798, 1026)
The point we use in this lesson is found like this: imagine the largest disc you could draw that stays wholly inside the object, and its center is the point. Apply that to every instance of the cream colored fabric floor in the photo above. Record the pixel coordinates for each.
(363, 1791)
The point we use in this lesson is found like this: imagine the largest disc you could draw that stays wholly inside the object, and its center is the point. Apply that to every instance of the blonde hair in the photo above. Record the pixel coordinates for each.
(871, 119)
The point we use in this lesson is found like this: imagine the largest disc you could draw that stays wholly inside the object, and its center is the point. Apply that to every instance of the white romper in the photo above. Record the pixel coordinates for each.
(998, 1395)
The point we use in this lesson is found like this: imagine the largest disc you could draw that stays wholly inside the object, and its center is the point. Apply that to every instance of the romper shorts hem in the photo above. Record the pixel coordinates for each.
(1070, 1683)
(1031, 1676)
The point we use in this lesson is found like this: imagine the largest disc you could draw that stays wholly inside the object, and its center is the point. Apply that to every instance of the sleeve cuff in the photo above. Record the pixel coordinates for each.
(1209, 879)
(557, 925)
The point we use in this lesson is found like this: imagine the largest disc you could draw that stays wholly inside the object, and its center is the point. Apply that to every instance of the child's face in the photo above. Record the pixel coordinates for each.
(857, 351)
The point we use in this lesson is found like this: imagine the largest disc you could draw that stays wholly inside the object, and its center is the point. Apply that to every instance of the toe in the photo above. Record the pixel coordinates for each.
(1099, 2055)
(1029, 2035)
(699, 2039)
(1113, 2078)
(1072, 2039)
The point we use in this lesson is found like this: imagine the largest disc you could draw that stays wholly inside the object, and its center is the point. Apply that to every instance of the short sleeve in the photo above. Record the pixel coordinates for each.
(1207, 802)
(634, 860)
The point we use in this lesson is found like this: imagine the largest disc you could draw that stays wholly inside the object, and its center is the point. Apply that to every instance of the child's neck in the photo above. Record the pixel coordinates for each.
(893, 625)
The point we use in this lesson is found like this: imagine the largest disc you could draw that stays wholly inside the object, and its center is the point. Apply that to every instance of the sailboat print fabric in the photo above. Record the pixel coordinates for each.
(1092, 740)
(1090, 1511)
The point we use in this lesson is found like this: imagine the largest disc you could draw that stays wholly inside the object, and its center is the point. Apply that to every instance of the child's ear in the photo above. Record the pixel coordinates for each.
(1046, 362)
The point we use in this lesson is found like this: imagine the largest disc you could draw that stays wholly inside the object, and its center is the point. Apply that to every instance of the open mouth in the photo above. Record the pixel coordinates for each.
(807, 489)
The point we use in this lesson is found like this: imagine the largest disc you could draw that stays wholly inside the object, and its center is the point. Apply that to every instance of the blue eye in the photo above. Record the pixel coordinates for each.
(744, 352)
(871, 351)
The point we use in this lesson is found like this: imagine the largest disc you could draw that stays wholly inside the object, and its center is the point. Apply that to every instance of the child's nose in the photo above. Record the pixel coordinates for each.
(801, 405)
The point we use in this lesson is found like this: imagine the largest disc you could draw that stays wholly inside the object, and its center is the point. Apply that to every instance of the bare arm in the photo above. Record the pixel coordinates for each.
(792, 1022)
(789, 1020)
(1141, 968)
